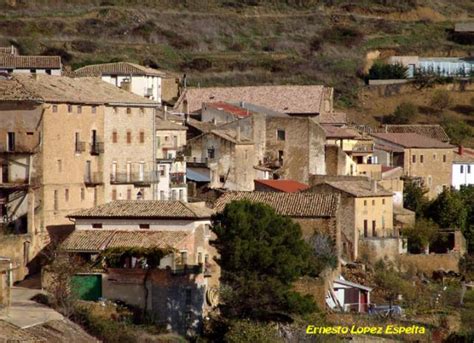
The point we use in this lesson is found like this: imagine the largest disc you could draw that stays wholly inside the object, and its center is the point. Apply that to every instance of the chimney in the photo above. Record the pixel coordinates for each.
(237, 135)
(165, 112)
(374, 186)
(460, 150)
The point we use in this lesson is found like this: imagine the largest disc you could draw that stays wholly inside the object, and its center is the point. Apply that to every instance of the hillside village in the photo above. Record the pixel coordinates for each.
(130, 198)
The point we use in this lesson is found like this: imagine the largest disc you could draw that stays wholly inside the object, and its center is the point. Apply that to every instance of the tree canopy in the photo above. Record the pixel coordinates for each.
(261, 255)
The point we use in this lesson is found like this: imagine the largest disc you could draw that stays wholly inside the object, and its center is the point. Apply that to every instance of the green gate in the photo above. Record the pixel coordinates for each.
(87, 287)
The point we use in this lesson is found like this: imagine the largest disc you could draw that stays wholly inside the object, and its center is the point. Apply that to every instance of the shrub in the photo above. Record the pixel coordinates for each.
(315, 43)
(421, 235)
(199, 64)
(440, 100)
(65, 56)
(85, 46)
(404, 113)
(382, 71)
(244, 331)
(458, 131)
(345, 35)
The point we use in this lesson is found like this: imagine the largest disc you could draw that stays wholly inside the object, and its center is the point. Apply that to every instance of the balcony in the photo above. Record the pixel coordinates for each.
(17, 148)
(80, 147)
(363, 148)
(199, 160)
(177, 179)
(93, 179)
(135, 178)
(149, 91)
(97, 148)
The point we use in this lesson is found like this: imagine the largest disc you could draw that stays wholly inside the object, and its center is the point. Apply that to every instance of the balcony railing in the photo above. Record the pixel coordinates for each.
(135, 178)
(80, 147)
(201, 160)
(177, 179)
(363, 148)
(97, 148)
(148, 91)
(93, 179)
(16, 148)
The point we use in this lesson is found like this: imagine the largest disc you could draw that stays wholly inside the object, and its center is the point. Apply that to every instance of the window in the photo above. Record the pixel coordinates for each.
(55, 108)
(210, 153)
(421, 158)
(144, 226)
(29, 133)
(162, 171)
(173, 195)
(413, 158)
(142, 137)
(115, 109)
(181, 195)
(221, 178)
(280, 156)
(246, 154)
(56, 204)
(114, 136)
(184, 257)
(33, 71)
(129, 194)
(199, 259)
(383, 201)
(77, 145)
(60, 166)
(142, 194)
(66, 195)
(129, 110)
(48, 71)
(11, 141)
(281, 135)
(374, 233)
(97, 225)
(79, 109)
(94, 109)
(444, 158)
(365, 202)
(129, 137)
(373, 202)
(113, 174)
(469, 169)
(69, 108)
(462, 169)
(162, 195)
(434, 157)
(114, 194)
(83, 194)
(366, 234)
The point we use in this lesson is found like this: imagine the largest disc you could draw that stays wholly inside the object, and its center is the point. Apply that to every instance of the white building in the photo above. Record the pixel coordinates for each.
(463, 168)
(11, 62)
(143, 81)
(171, 165)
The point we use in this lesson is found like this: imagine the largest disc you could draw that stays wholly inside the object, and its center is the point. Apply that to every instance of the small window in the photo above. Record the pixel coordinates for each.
(114, 136)
(60, 166)
(56, 204)
(413, 158)
(83, 194)
(365, 202)
(129, 194)
(280, 155)
(79, 109)
(144, 226)
(55, 108)
(94, 109)
(444, 158)
(129, 137)
(469, 169)
(129, 110)
(97, 225)
(114, 194)
(211, 153)
(69, 108)
(142, 137)
(221, 178)
(434, 157)
(48, 71)
(281, 135)
(33, 71)
(383, 201)
(66, 195)
(115, 109)
(29, 133)
(462, 169)
(184, 257)
(421, 158)
(373, 202)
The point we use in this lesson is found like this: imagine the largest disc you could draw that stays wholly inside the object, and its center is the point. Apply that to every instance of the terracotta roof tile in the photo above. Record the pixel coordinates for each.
(229, 108)
(287, 204)
(30, 62)
(431, 131)
(287, 186)
(146, 209)
(339, 132)
(466, 157)
(286, 99)
(118, 68)
(99, 240)
(411, 140)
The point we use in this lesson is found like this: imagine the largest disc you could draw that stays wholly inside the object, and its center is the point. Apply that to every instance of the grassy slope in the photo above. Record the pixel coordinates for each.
(221, 42)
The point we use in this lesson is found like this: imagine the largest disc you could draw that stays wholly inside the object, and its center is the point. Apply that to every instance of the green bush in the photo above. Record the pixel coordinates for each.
(244, 331)
(344, 35)
(404, 114)
(441, 100)
(382, 71)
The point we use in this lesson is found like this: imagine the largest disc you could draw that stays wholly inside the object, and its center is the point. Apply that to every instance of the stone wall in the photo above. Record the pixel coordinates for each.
(429, 263)
(375, 249)
(18, 248)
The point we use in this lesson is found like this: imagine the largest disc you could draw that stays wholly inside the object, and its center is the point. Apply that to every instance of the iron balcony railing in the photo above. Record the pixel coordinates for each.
(80, 147)
(363, 148)
(93, 178)
(135, 178)
(16, 148)
(97, 148)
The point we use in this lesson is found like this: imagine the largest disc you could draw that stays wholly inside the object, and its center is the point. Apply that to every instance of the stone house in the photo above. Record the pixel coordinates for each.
(227, 154)
(180, 289)
(315, 213)
(69, 144)
(292, 147)
(425, 160)
(463, 167)
(171, 164)
(153, 84)
(11, 62)
(366, 211)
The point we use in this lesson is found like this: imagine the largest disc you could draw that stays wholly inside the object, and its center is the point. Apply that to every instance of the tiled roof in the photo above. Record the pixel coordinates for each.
(229, 108)
(339, 132)
(201, 125)
(162, 124)
(332, 118)
(360, 188)
(119, 68)
(287, 186)
(412, 140)
(286, 99)
(96, 240)
(49, 88)
(466, 157)
(30, 62)
(287, 204)
(146, 209)
(431, 131)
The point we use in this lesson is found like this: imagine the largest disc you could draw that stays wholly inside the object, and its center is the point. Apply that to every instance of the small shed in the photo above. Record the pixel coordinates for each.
(349, 296)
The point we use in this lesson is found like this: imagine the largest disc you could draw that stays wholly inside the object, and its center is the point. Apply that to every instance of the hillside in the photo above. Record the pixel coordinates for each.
(231, 42)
